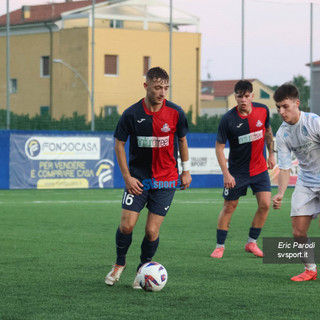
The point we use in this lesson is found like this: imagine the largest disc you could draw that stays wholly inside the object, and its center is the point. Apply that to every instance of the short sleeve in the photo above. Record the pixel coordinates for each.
(267, 122)
(315, 126)
(222, 131)
(122, 130)
(182, 125)
(284, 153)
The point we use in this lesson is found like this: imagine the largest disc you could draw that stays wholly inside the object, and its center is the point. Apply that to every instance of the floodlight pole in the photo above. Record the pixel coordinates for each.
(92, 67)
(311, 58)
(242, 41)
(77, 74)
(8, 66)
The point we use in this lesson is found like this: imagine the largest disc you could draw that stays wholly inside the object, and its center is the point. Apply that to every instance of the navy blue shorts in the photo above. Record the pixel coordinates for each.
(158, 201)
(258, 183)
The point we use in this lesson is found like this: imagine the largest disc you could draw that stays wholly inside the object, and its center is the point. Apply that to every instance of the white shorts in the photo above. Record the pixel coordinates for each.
(305, 201)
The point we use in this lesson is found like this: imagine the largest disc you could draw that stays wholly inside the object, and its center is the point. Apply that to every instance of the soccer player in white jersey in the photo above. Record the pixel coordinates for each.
(300, 134)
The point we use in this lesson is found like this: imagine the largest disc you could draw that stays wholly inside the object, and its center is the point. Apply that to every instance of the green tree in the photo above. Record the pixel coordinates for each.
(275, 122)
(301, 83)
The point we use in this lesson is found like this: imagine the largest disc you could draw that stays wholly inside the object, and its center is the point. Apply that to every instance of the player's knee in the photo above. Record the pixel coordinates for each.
(152, 234)
(264, 207)
(297, 233)
(126, 229)
(229, 208)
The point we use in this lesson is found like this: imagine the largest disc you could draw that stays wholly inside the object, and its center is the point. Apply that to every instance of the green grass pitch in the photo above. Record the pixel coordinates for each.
(56, 246)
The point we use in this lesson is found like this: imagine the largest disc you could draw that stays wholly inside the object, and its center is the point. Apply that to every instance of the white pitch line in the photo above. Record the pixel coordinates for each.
(77, 201)
(204, 201)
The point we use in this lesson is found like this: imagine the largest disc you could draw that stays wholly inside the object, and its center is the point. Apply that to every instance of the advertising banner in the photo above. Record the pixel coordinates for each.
(61, 162)
(203, 161)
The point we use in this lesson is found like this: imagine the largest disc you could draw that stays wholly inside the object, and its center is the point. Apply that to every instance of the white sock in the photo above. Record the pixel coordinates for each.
(220, 246)
(310, 266)
(251, 240)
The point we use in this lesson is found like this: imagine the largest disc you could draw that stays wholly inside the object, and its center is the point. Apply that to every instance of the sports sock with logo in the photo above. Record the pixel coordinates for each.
(123, 242)
(221, 237)
(254, 234)
(148, 250)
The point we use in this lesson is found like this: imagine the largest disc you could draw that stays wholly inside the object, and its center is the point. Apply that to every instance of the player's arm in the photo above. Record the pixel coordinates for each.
(228, 180)
(133, 185)
(185, 176)
(270, 146)
(283, 181)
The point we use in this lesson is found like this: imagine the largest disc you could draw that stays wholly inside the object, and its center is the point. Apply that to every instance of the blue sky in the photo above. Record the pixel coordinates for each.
(277, 36)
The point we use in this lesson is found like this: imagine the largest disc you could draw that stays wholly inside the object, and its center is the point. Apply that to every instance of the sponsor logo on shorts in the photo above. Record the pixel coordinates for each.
(153, 142)
(155, 184)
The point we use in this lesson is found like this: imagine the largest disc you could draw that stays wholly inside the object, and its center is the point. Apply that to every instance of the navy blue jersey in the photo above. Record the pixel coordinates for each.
(154, 137)
(246, 136)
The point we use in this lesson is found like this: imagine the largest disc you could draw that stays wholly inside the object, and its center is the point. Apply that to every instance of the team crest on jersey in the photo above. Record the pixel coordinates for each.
(259, 124)
(165, 128)
(304, 131)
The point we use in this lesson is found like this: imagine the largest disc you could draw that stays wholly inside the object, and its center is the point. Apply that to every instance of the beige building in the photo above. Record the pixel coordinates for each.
(51, 56)
(217, 97)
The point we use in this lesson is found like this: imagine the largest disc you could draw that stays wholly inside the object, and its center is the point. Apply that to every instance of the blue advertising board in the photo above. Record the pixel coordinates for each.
(40, 161)
(64, 159)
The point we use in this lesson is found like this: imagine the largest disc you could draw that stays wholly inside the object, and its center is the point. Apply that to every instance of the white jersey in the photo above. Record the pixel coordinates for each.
(303, 139)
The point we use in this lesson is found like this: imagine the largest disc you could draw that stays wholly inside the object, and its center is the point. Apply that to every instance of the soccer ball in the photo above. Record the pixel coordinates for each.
(152, 276)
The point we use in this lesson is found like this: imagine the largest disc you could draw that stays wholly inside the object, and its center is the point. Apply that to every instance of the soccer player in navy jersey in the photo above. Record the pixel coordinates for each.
(247, 129)
(156, 129)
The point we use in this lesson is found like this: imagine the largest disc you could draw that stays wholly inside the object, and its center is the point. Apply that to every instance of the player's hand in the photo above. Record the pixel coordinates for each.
(185, 179)
(277, 200)
(133, 185)
(228, 181)
(271, 161)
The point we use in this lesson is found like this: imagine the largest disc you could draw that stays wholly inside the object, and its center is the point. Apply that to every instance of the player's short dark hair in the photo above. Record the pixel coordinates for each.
(157, 73)
(286, 91)
(243, 86)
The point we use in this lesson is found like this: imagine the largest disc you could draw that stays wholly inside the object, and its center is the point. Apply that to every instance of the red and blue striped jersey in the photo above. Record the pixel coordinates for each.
(246, 136)
(153, 148)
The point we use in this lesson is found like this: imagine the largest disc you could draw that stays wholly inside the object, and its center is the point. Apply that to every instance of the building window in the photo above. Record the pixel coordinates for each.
(146, 65)
(44, 110)
(45, 67)
(111, 65)
(109, 110)
(264, 95)
(13, 86)
(117, 24)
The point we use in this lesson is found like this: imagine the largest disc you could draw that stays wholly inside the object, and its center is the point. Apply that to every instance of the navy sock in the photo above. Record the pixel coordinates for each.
(148, 250)
(123, 242)
(254, 233)
(221, 236)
